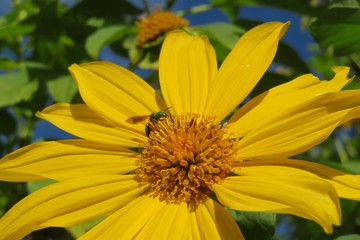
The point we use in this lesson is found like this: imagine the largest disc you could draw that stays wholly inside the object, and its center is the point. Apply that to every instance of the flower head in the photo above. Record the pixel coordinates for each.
(186, 155)
(156, 24)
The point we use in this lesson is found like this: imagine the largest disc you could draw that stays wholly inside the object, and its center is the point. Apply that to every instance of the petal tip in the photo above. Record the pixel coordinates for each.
(72, 66)
(284, 28)
(38, 114)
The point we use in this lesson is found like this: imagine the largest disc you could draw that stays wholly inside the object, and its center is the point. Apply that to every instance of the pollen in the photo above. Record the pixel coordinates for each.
(157, 23)
(185, 156)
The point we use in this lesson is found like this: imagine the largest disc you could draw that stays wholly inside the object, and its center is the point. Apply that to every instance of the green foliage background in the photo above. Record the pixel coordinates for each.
(43, 37)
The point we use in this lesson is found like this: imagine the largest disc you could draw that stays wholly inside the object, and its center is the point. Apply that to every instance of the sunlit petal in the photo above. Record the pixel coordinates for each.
(206, 224)
(194, 233)
(60, 160)
(127, 222)
(346, 185)
(80, 121)
(310, 198)
(283, 97)
(243, 68)
(68, 203)
(114, 92)
(187, 65)
(226, 225)
(170, 222)
(299, 128)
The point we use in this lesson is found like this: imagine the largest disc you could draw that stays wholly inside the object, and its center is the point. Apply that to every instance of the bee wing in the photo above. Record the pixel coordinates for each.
(137, 119)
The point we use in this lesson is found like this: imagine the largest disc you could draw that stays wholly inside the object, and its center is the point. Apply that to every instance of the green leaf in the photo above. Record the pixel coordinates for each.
(103, 36)
(7, 64)
(338, 28)
(269, 80)
(349, 237)
(36, 185)
(222, 36)
(323, 62)
(81, 229)
(288, 57)
(62, 89)
(15, 30)
(353, 166)
(145, 58)
(16, 87)
(225, 33)
(10, 193)
(344, 4)
(255, 225)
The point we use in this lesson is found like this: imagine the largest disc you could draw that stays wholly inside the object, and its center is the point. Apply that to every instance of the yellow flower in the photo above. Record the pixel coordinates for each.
(156, 24)
(165, 189)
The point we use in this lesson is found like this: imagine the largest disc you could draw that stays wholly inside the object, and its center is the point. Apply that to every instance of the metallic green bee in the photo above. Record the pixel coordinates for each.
(154, 117)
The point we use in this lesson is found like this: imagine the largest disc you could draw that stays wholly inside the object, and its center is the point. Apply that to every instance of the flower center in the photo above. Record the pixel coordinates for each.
(159, 22)
(184, 156)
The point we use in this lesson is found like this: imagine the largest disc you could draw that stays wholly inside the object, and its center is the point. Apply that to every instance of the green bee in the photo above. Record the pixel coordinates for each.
(153, 117)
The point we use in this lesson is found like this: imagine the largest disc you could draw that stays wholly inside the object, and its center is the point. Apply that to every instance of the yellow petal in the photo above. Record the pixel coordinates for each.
(170, 222)
(187, 64)
(60, 160)
(80, 121)
(310, 197)
(194, 233)
(127, 222)
(68, 203)
(212, 221)
(226, 225)
(206, 224)
(346, 185)
(283, 97)
(301, 127)
(243, 68)
(113, 92)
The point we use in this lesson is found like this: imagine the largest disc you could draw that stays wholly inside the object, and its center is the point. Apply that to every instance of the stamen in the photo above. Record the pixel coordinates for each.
(184, 156)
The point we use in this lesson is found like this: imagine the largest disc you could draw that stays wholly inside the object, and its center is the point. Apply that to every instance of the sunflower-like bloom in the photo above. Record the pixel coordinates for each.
(162, 184)
(156, 24)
